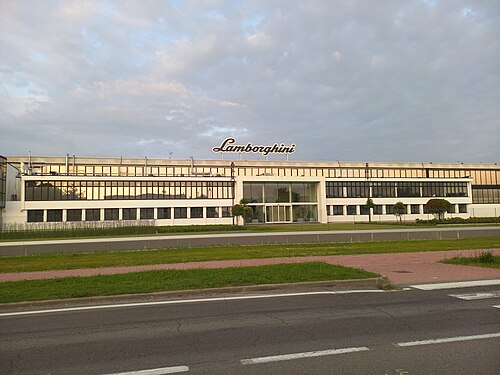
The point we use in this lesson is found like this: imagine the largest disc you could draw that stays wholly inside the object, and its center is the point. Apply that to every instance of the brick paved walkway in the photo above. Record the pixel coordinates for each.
(400, 268)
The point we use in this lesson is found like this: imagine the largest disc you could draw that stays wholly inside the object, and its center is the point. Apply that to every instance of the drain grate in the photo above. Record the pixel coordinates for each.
(402, 271)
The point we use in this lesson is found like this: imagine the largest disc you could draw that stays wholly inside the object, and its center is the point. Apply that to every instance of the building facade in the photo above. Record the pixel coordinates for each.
(185, 192)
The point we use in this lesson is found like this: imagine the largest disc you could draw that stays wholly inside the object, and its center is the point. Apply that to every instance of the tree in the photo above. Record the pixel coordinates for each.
(399, 210)
(369, 205)
(243, 210)
(438, 207)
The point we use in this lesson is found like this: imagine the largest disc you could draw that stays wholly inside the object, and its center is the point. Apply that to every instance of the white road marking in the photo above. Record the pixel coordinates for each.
(288, 357)
(460, 284)
(449, 339)
(177, 302)
(156, 371)
(478, 295)
(496, 306)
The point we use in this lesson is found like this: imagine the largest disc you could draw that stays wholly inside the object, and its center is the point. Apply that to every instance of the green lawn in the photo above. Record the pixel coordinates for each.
(483, 259)
(168, 280)
(129, 258)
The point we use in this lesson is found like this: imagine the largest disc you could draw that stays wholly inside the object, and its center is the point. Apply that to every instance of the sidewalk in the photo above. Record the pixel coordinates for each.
(400, 268)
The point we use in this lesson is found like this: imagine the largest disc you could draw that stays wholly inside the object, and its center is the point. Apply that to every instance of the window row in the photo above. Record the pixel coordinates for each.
(482, 176)
(351, 189)
(126, 190)
(485, 194)
(97, 214)
(388, 209)
(281, 192)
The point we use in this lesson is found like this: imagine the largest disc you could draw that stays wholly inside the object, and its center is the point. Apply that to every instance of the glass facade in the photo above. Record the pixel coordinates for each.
(347, 189)
(126, 190)
(485, 194)
(273, 202)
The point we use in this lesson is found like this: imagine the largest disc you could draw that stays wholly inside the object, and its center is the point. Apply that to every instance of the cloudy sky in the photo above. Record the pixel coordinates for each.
(344, 80)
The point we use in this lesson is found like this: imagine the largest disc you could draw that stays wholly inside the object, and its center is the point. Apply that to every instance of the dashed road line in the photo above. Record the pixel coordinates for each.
(460, 284)
(477, 295)
(449, 339)
(288, 357)
(155, 371)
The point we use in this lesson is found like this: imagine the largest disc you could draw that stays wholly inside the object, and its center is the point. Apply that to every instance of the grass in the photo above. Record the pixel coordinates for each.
(126, 231)
(168, 280)
(142, 257)
(483, 259)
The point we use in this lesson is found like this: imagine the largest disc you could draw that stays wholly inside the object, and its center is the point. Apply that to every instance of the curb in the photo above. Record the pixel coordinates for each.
(370, 283)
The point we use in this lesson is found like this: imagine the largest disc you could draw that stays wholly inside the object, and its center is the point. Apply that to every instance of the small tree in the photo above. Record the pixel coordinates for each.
(399, 210)
(438, 207)
(243, 210)
(369, 205)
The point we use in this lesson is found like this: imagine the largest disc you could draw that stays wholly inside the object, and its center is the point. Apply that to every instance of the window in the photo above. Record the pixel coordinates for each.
(111, 214)
(338, 210)
(54, 215)
(164, 213)
(147, 213)
(415, 208)
(334, 189)
(124, 190)
(226, 212)
(129, 214)
(35, 216)
(452, 209)
(92, 214)
(462, 208)
(377, 210)
(351, 210)
(180, 213)
(196, 212)
(73, 215)
(363, 210)
(408, 189)
(389, 209)
(212, 212)
(357, 189)
(383, 189)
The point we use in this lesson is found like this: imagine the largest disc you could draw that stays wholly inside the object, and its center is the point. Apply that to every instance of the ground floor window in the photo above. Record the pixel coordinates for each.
(129, 214)
(351, 209)
(35, 216)
(73, 215)
(338, 210)
(226, 211)
(462, 208)
(111, 214)
(377, 210)
(147, 213)
(54, 215)
(164, 213)
(196, 212)
(415, 208)
(212, 212)
(92, 214)
(389, 209)
(363, 210)
(180, 213)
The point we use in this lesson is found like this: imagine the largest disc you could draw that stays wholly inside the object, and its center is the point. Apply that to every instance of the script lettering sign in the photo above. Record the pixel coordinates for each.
(229, 145)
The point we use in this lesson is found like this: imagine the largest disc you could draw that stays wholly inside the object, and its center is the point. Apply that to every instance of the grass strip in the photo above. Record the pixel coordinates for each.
(478, 261)
(164, 256)
(168, 280)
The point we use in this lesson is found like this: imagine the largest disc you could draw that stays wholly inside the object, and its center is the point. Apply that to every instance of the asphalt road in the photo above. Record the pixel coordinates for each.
(30, 247)
(355, 333)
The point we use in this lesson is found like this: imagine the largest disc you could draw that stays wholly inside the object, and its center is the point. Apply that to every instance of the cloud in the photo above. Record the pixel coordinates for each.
(408, 81)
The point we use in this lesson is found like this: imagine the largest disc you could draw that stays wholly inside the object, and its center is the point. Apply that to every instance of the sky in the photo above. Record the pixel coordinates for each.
(387, 80)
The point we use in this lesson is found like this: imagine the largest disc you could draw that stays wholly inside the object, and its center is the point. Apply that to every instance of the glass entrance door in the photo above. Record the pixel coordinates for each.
(278, 214)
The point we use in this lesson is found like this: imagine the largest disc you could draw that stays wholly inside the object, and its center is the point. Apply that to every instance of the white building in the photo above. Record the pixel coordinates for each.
(184, 192)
